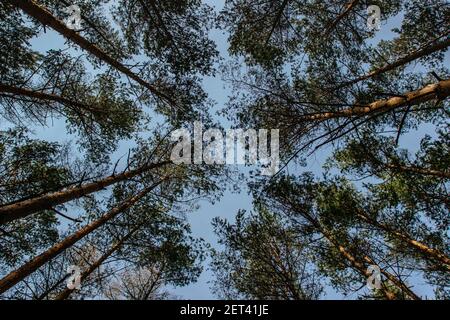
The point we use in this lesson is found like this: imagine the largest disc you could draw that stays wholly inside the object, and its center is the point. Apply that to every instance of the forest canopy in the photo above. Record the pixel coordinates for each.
(92, 205)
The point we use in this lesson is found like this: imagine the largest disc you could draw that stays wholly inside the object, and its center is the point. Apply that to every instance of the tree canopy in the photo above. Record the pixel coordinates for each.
(104, 196)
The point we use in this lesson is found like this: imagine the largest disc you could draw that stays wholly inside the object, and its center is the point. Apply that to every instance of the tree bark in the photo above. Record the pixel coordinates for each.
(4, 88)
(277, 20)
(28, 268)
(357, 264)
(43, 295)
(362, 269)
(67, 292)
(427, 50)
(417, 245)
(348, 8)
(41, 14)
(440, 90)
(27, 207)
(422, 171)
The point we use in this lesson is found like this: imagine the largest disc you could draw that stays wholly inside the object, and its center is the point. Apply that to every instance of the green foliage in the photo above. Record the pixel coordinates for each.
(28, 168)
(308, 68)
(262, 259)
(172, 33)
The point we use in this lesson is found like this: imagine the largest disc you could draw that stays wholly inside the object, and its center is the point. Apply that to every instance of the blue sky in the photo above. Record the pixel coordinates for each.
(200, 220)
(230, 203)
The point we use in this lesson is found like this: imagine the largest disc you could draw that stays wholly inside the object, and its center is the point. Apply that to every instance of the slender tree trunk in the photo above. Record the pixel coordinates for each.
(46, 18)
(67, 292)
(43, 295)
(348, 8)
(362, 269)
(425, 51)
(91, 24)
(277, 20)
(417, 245)
(28, 268)
(158, 17)
(398, 283)
(422, 171)
(25, 208)
(440, 90)
(358, 265)
(4, 88)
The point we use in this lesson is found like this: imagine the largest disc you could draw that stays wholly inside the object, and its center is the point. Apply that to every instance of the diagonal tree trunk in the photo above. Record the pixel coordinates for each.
(418, 170)
(417, 245)
(360, 265)
(28, 268)
(41, 14)
(67, 292)
(91, 25)
(348, 8)
(27, 207)
(422, 52)
(43, 295)
(16, 91)
(276, 22)
(440, 90)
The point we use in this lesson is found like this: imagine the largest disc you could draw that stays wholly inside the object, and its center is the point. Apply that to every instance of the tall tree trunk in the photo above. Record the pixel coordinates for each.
(422, 171)
(92, 25)
(44, 294)
(277, 20)
(27, 207)
(67, 292)
(422, 52)
(440, 90)
(348, 8)
(417, 245)
(46, 18)
(28, 268)
(360, 266)
(14, 91)
(159, 18)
